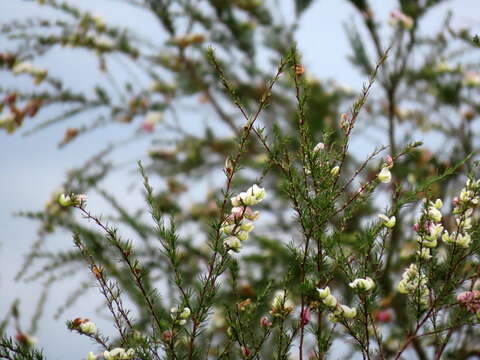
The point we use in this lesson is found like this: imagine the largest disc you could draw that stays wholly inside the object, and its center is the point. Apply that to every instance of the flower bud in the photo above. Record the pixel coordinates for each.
(65, 200)
(265, 322)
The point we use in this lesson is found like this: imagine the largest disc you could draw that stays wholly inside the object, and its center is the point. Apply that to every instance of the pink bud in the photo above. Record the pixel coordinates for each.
(265, 322)
(306, 316)
(148, 127)
(455, 201)
(167, 335)
(416, 227)
(383, 316)
(389, 161)
(245, 351)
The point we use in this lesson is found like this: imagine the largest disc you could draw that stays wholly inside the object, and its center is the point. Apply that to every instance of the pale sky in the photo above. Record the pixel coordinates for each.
(33, 166)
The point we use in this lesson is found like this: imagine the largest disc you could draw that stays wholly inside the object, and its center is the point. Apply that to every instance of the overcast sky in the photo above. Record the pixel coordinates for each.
(32, 167)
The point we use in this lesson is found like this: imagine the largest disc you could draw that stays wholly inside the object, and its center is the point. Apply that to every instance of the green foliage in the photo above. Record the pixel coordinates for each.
(286, 131)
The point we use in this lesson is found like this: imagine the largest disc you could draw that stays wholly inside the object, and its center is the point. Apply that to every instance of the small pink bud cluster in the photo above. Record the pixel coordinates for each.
(471, 300)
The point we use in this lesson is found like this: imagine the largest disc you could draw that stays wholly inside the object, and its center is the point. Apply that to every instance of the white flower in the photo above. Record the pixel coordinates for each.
(65, 200)
(119, 354)
(471, 79)
(434, 214)
(424, 253)
(242, 235)
(185, 313)
(256, 193)
(434, 231)
(252, 196)
(232, 243)
(330, 301)
(464, 240)
(103, 43)
(427, 242)
(385, 176)
(228, 229)
(323, 293)
(388, 221)
(335, 170)
(23, 67)
(88, 328)
(247, 225)
(153, 117)
(366, 284)
(438, 203)
(280, 300)
(319, 147)
(348, 312)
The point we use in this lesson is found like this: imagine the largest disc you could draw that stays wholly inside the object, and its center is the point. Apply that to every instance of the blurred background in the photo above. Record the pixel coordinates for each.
(32, 166)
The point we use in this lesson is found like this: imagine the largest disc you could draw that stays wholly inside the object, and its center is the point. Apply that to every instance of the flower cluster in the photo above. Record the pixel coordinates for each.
(414, 283)
(463, 210)
(338, 312)
(119, 354)
(366, 284)
(180, 317)
(430, 230)
(471, 300)
(239, 223)
(26, 68)
(281, 304)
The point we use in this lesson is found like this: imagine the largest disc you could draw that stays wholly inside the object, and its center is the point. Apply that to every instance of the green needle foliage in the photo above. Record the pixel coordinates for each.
(297, 243)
